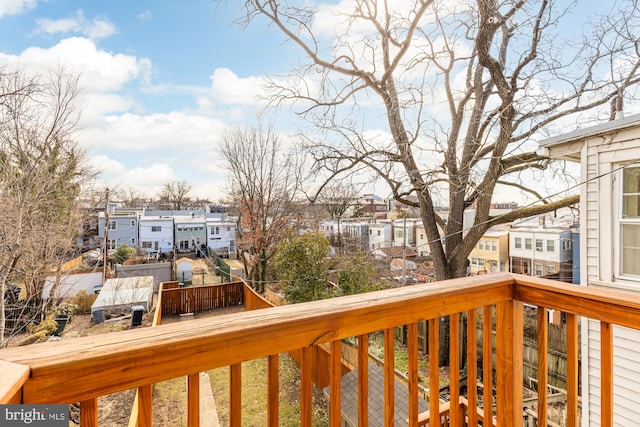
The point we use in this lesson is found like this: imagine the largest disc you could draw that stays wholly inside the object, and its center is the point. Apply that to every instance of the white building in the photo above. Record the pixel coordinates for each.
(537, 248)
(221, 236)
(380, 234)
(156, 234)
(609, 157)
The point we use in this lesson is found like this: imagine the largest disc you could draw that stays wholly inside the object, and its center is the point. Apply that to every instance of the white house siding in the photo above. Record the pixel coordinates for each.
(625, 372)
(160, 241)
(379, 235)
(600, 150)
(598, 162)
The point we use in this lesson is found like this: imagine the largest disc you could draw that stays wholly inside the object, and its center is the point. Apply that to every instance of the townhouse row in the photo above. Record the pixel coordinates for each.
(160, 232)
(544, 246)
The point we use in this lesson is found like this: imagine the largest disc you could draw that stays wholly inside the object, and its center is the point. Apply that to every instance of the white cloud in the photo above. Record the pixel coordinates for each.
(77, 24)
(164, 133)
(228, 88)
(102, 74)
(99, 70)
(145, 15)
(148, 180)
(106, 164)
(14, 7)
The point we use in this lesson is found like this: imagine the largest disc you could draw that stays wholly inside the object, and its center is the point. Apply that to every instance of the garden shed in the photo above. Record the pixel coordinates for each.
(184, 269)
(119, 295)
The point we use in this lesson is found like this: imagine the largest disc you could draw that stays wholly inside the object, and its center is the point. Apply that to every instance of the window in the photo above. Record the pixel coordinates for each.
(539, 245)
(566, 245)
(133, 241)
(518, 243)
(378, 232)
(629, 222)
(503, 266)
(537, 270)
(551, 246)
(494, 246)
(551, 269)
(481, 244)
(112, 244)
(113, 225)
(527, 243)
(156, 228)
(146, 245)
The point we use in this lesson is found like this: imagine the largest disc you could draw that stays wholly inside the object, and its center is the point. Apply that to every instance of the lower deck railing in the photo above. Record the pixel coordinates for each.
(82, 369)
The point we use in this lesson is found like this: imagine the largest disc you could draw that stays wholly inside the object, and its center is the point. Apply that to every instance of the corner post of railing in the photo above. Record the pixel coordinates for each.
(509, 347)
(14, 376)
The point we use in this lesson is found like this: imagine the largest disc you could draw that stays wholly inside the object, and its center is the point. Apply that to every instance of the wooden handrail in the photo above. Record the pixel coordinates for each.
(49, 373)
(128, 359)
(14, 376)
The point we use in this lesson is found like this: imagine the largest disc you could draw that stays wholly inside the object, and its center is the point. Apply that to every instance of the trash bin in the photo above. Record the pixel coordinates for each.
(136, 315)
(97, 315)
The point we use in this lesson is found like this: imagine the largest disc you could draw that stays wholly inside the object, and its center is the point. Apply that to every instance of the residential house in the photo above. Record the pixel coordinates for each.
(190, 232)
(355, 234)
(156, 234)
(394, 252)
(380, 234)
(404, 232)
(540, 249)
(491, 253)
(609, 157)
(122, 227)
(221, 236)
(370, 205)
(422, 242)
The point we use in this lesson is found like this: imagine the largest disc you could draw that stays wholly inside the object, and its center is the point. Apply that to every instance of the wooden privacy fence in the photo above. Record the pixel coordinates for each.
(201, 298)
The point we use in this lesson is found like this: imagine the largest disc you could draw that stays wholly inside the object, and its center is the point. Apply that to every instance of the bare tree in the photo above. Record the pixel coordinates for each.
(263, 185)
(41, 172)
(466, 89)
(175, 194)
(131, 196)
(337, 198)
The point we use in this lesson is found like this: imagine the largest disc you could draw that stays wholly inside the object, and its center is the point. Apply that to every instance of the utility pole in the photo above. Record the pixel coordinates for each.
(106, 237)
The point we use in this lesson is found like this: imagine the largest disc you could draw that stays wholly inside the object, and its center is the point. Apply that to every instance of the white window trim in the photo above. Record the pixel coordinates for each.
(618, 221)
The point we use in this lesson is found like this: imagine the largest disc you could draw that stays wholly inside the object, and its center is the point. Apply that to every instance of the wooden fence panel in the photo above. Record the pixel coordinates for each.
(201, 298)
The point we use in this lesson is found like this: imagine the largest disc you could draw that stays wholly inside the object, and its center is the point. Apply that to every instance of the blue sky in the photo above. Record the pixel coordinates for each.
(160, 79)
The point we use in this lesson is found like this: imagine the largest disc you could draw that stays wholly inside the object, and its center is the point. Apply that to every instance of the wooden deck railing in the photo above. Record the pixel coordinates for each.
(82, 369)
